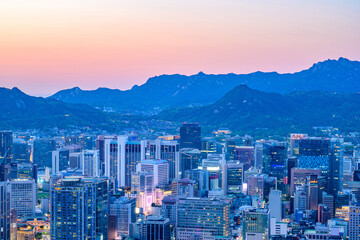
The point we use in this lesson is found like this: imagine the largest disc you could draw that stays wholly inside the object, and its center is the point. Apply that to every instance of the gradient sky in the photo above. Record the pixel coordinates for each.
(48, 45)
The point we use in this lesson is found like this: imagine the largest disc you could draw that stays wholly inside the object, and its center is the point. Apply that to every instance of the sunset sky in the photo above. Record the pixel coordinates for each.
(49, 45)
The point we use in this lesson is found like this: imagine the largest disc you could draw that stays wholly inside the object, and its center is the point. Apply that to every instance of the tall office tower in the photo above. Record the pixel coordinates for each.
(344, 198)
(23, 196)
(75, 160)
(256, 224)
(168, 208)
(294, 143)
(299, 177)
(157, 228)
(190, 136)
(335, 173)
(275, 205)
(123, 211)
(209, 146)
(202, 216)
(21, 151)
(5, 223)
(292, 163)
(300, 199)
(60, 160)
(26, 171)
(354, 221)
(230, 149)
(275, 160)
(328, 200)
(6, 146)
(90, 163)
(245, 155)
(81, 203)
(232, 178)
(313, 192)
(256, 185)
(259, 148)
(190, 158)
(199, 176)
(314, 153)
(100, 146)
(42, 152)
(159, 168)
(6, 154)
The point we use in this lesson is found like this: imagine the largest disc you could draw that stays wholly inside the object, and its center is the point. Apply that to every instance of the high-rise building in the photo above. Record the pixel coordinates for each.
(159, 168)
(42, 152)
(328, 200)
(202, 216)
(90, 163)
(5, 221)
(256, 185)
(313, 192)
(81, 203)
(275, 161)
(300, 199)
(60, 160)
(190, 158)
(21, 151)
(123, 211)
(157, 228)
(299, 177)
(354, 221)
(6, 154)
(23, 196)
(256, 224)
(232, 177)
(190, 136)
(335, 172)
(275, 205)
(168, 208)
(314, 153)
(245, 155)
(294, 143)
(259, 148)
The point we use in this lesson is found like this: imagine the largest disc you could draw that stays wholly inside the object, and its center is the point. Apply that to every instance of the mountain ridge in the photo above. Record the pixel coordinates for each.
(168, 91)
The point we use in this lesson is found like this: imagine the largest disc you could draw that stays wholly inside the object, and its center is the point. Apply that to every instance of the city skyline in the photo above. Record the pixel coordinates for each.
(55, 45)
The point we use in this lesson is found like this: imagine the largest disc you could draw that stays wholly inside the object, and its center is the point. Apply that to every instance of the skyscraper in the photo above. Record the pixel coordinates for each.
(123, 210)
(190, 136)
(275, 205)
(245, 155)
(313, 192)
(335, 172)
(6, 154)
(5, 232)
(23, 196)
(314, 153)
(42, 152)
(190, 158)
(354, 221)
(90, 163)
(232, 177)
(202, 216)
(275, 161)
(60, 160)
(81, 203)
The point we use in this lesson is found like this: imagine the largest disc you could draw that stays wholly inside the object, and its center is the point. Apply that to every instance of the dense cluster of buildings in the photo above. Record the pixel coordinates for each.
(182, 187)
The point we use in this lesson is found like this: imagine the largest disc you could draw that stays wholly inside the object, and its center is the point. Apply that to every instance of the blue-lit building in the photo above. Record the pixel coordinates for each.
(314, 153)
(275, 161)
(79, 208)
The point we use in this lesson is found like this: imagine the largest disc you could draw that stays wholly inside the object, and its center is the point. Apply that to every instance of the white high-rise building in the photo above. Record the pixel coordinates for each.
(159, 168)
(275, 205)
(23, 196)
(90, 163)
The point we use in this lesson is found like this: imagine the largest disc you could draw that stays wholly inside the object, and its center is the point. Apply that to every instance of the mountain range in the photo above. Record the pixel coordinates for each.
(169, 91)
(246, 110)
(324, 95)
(21, 111)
